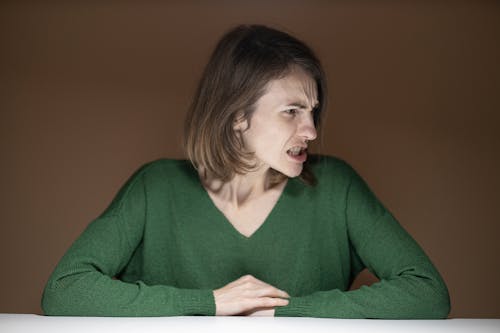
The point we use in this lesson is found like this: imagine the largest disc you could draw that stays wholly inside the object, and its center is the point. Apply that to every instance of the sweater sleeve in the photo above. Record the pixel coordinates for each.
(410, 287)
(83, 282)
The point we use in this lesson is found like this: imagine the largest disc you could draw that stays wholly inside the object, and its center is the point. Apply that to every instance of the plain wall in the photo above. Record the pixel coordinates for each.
(91, 90)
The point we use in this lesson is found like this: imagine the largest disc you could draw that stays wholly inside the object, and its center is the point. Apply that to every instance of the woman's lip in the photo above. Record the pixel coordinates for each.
(299, 158)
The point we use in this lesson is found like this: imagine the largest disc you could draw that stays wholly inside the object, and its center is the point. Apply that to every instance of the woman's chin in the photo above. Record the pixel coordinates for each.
(292, 172)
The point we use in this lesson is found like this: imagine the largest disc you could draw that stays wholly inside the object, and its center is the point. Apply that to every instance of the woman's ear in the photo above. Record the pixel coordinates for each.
(241, 123)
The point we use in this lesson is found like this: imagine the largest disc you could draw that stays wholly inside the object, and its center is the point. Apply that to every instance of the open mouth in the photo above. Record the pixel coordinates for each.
(296, 151)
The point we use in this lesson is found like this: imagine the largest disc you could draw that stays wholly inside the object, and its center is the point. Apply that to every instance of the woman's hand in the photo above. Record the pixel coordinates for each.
(260, 313)
(248, 296)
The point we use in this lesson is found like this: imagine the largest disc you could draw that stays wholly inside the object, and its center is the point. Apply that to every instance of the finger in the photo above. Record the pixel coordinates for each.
(260, 312)
(269, 302)
(266, 289)
(270, 291)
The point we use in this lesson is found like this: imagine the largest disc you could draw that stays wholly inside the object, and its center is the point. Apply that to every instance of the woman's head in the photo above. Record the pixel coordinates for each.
(244, 63)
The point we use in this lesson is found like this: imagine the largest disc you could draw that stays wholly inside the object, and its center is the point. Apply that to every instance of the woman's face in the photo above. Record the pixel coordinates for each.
(282, 123)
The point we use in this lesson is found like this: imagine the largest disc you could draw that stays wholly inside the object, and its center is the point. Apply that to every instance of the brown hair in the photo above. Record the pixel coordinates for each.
(243, 62)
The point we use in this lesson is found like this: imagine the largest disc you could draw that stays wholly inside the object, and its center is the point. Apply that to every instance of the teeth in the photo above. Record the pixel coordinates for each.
(295, 151)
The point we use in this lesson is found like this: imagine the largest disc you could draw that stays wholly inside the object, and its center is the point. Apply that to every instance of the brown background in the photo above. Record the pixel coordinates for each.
(90, 90)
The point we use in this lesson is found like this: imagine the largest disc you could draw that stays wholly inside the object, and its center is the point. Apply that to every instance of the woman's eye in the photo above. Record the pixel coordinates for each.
(291, 111)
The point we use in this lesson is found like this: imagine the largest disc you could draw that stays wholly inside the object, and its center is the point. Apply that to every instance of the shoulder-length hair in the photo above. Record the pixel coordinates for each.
(244, 61)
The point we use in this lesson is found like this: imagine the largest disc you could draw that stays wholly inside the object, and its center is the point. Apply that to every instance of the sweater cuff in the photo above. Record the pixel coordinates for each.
(198, 302)
(297, 307)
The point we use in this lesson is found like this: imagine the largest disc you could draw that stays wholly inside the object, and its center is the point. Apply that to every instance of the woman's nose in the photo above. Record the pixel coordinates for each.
(307, 130)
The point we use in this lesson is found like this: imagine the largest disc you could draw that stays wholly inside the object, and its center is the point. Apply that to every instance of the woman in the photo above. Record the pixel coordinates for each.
(251, 225)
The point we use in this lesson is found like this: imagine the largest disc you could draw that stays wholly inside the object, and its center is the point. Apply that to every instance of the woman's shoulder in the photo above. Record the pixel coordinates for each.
(167, 167)
(165, 164)
(334, 175)
(157, 172)
(330, 166)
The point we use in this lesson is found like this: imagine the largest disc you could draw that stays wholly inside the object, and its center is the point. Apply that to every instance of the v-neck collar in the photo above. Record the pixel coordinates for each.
(224, 222)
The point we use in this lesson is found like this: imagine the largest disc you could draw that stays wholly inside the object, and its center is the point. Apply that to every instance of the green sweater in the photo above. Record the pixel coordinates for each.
(162, 247)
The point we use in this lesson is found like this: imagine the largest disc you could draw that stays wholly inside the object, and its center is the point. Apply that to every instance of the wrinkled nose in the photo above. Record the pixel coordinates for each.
(307, 130)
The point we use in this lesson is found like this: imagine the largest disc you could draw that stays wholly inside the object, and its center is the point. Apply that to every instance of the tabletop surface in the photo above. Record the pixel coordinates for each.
(13, 323)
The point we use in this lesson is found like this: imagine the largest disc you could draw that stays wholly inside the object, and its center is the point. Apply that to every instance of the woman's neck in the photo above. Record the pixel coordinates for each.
(241, 189)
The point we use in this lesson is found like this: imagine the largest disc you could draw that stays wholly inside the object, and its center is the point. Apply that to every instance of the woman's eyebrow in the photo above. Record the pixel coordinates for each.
(297, 105)
(301, 105)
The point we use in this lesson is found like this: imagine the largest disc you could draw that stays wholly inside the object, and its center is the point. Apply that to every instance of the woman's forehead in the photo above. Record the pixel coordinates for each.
(297, 87)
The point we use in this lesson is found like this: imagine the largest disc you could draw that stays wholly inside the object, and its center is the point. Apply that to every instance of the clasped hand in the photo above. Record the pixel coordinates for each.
(248, 296)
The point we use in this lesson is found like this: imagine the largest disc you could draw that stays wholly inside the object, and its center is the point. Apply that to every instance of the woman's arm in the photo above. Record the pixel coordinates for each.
(82, 284)
(410, 287)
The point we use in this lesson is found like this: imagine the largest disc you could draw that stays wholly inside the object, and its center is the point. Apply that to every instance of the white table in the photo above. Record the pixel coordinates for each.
(17, 323)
